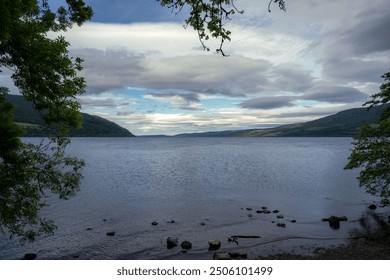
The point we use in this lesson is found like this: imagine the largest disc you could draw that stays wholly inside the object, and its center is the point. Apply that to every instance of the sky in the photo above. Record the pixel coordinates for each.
(149, 74)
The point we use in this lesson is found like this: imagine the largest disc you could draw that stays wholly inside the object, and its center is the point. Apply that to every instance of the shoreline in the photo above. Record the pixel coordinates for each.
(374, 245)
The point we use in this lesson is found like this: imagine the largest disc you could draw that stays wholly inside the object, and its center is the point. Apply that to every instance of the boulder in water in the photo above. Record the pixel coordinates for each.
(172, 242)
(186, 245)
(221, 256)
(214, 245)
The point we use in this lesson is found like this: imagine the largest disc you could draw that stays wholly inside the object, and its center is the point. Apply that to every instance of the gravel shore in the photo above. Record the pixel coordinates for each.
(373, 245)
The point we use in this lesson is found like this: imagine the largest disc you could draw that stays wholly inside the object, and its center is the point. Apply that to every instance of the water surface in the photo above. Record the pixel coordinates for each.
(207, 186)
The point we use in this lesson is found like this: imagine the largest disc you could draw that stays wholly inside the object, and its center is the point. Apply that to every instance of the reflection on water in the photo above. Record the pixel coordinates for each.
(212, 188)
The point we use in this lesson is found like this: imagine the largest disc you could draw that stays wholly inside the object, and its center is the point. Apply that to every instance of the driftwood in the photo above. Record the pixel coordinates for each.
(234, 238)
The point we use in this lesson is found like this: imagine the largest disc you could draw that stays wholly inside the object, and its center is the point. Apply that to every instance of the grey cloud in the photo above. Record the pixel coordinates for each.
(370, 32)
(183, 101)
(292, 77)
(188, 97)
(334, 94)
(358, 50)
(267, 103)
(320, 93)
(88, 102)
(108, 70)
(232, 76)
(124, 113)
(115, 69)
(351, 69)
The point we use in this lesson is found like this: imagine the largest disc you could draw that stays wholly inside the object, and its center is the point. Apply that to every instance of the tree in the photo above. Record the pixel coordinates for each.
(208, 17)
(372, 147)
(46, 75)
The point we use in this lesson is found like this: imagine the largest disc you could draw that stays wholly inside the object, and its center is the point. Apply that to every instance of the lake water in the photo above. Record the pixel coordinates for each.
(207, 186)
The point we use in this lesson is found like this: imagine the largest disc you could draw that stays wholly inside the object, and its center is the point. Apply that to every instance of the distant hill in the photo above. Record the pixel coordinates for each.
(345, 123)
(93, 126)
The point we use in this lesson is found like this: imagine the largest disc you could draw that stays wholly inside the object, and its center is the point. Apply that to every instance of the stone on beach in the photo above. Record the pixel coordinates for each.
(186, 245)
(110, 233)
(279, 216)
(214, 244)
(372, 207)
(221, 256)
(172, 242)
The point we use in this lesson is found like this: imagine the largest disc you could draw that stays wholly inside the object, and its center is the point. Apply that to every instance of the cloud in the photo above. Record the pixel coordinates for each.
(124, 113)
(318, 93)
(267, 103)
(316, 59)
(109, 70)
(117, 69)
(233, 76)
(292, 77)
(358, 49)
(105, 101)
(368, 31)
(221, 119)
(334, 94)
(185, 101)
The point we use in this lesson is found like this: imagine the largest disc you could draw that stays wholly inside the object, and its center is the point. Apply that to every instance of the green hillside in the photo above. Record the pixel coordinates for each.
(93, 126)
(345, 123)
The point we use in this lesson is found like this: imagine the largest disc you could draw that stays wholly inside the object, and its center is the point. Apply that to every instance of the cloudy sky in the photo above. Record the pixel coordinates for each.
(150, 75)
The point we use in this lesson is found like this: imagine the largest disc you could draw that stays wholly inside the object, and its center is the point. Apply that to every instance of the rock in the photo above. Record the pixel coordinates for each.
(202, 223)
(372, 207)
(279, 216)
(186, 245)
(334, 221)
(172, 242)
(264, 208)
(104, 220)
(293, 221)
(214, 245)
(249, 209)
(221, 256)
(30, 256)
(238, 255)
(282, 225)
(171, 222)
(275, 211)
(110, 233)
(250, 215)
(89, 228)
(154, 223)
(264, 211)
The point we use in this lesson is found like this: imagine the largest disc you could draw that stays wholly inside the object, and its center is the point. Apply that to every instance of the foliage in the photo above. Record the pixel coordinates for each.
(45, 75)
(372, 147)
(208, 17)
(34, 173)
